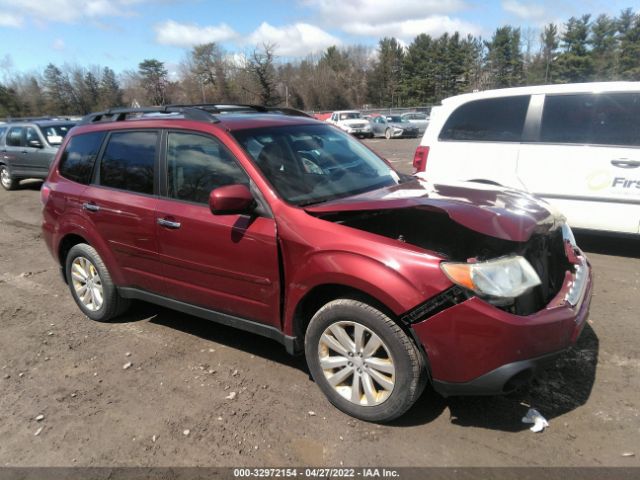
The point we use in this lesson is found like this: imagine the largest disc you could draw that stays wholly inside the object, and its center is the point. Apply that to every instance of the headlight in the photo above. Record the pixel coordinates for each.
(567, 234)
(506, 277)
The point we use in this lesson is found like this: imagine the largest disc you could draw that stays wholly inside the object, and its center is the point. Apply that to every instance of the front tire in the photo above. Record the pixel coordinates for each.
(91, 285)
(7, 181)
(363, 362)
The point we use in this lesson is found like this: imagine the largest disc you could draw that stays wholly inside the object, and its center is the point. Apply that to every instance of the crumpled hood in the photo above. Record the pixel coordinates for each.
(488, 209)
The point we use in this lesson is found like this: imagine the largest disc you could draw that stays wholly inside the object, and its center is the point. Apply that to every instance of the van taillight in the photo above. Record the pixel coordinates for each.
(420, 159)
(45, 190)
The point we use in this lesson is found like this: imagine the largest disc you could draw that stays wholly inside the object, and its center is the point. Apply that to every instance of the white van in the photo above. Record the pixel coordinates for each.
(576, 145)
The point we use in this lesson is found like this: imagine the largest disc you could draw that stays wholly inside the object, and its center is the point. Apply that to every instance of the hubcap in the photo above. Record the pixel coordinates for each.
(5, 178)
(87, 283)
(356, 363)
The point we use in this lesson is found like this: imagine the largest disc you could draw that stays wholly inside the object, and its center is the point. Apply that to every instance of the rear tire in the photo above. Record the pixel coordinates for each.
(387, 134)
(369, 382)
(91, 285)
(7, 181)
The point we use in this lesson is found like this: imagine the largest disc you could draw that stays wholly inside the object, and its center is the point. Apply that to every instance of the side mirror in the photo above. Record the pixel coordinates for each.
(230, 199)
(35, 144)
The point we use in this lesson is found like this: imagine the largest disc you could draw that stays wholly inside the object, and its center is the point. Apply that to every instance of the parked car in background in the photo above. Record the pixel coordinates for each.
(392, 126)
(419, 119)
(351, 121)
(27, 148)
(289, 228)
(575, 145)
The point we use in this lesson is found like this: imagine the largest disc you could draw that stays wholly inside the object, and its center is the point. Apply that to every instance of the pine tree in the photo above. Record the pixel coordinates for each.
(384, 82)
(575, 64)
(504, 58)
(629, 35)
(109, 92)
(603, 47)
(155, 79)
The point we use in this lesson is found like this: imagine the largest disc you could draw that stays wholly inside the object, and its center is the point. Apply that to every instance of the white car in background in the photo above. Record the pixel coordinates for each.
(351, 121)
(576, 145)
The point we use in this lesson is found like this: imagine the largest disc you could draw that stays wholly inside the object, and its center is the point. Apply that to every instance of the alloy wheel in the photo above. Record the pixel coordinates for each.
(5, 177)
(356, 363)
(87, 283)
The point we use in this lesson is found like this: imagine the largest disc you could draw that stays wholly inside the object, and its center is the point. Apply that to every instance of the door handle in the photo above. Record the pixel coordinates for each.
(24, 151)
(91, 207)
(168, 223)
(625, 163)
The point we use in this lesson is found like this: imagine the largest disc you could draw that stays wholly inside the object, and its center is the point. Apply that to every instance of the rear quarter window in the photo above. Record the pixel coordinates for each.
(488, 120)
(79, 157)
(14, 137)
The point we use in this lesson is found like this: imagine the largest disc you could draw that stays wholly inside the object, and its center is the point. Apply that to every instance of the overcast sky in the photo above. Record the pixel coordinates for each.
(121, 33)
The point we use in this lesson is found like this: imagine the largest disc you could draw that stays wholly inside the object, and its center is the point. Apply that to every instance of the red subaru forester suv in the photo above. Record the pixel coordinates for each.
(288, 227)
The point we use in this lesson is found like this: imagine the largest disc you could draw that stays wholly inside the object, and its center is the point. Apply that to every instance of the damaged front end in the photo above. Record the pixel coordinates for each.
(438, 233)
(520, 288)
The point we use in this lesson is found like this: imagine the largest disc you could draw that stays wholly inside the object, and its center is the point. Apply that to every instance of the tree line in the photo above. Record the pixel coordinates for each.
(584, 49)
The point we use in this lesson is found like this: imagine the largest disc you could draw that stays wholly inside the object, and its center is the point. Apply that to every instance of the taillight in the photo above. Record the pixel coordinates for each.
(45, 190)
(420, 159)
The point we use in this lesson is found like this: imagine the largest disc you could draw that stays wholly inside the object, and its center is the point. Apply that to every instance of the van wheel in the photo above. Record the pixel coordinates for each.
(6, 179)
(387, 134)
(91, 285)
(363, 361)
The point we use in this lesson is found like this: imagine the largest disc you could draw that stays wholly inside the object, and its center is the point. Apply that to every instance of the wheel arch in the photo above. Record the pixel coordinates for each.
(66, 244)
(320, 295)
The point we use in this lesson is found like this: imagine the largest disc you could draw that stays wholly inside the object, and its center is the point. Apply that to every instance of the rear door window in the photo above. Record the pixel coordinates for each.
(79, 157)
(128, 162)
(489, 120)
(567, 118)
(14, 137)
(617, 119)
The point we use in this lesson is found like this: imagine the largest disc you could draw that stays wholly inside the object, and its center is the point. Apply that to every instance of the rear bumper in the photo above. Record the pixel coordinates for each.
(475, 348)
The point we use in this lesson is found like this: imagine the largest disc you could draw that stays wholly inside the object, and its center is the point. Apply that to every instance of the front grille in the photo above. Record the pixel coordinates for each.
(547, 256)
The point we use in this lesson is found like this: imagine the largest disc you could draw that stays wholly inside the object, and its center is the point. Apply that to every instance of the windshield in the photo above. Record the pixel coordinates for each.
(56, 133)
(396, 119)
(309, 164)
(349, 115)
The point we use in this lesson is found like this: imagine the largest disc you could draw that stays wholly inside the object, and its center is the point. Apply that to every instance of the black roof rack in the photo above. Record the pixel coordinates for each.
(204, 112)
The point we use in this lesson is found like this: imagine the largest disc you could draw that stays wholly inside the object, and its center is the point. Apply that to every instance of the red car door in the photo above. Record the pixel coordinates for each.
(121, 205)
(225, 263)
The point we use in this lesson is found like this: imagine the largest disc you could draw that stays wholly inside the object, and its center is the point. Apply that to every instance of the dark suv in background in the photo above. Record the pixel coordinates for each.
(27, 148)
(290, 228)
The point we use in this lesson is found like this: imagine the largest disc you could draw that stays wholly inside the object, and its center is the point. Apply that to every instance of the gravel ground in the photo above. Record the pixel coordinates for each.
(200, 394)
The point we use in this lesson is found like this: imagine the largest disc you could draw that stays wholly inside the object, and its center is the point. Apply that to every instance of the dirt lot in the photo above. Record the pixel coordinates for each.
(170, 407)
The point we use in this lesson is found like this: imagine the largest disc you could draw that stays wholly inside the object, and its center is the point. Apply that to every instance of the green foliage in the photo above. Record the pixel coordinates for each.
(155, 78)
(629, 59)
(504, 58)
(9, 104)
(575, 64)
(384, 81)
(585, 48)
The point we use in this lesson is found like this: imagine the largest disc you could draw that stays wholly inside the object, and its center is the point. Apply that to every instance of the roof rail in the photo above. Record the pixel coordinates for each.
(204, 112)
(121, 114)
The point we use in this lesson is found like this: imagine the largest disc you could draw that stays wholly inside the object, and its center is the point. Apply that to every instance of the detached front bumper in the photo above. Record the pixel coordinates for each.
(475, 348)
